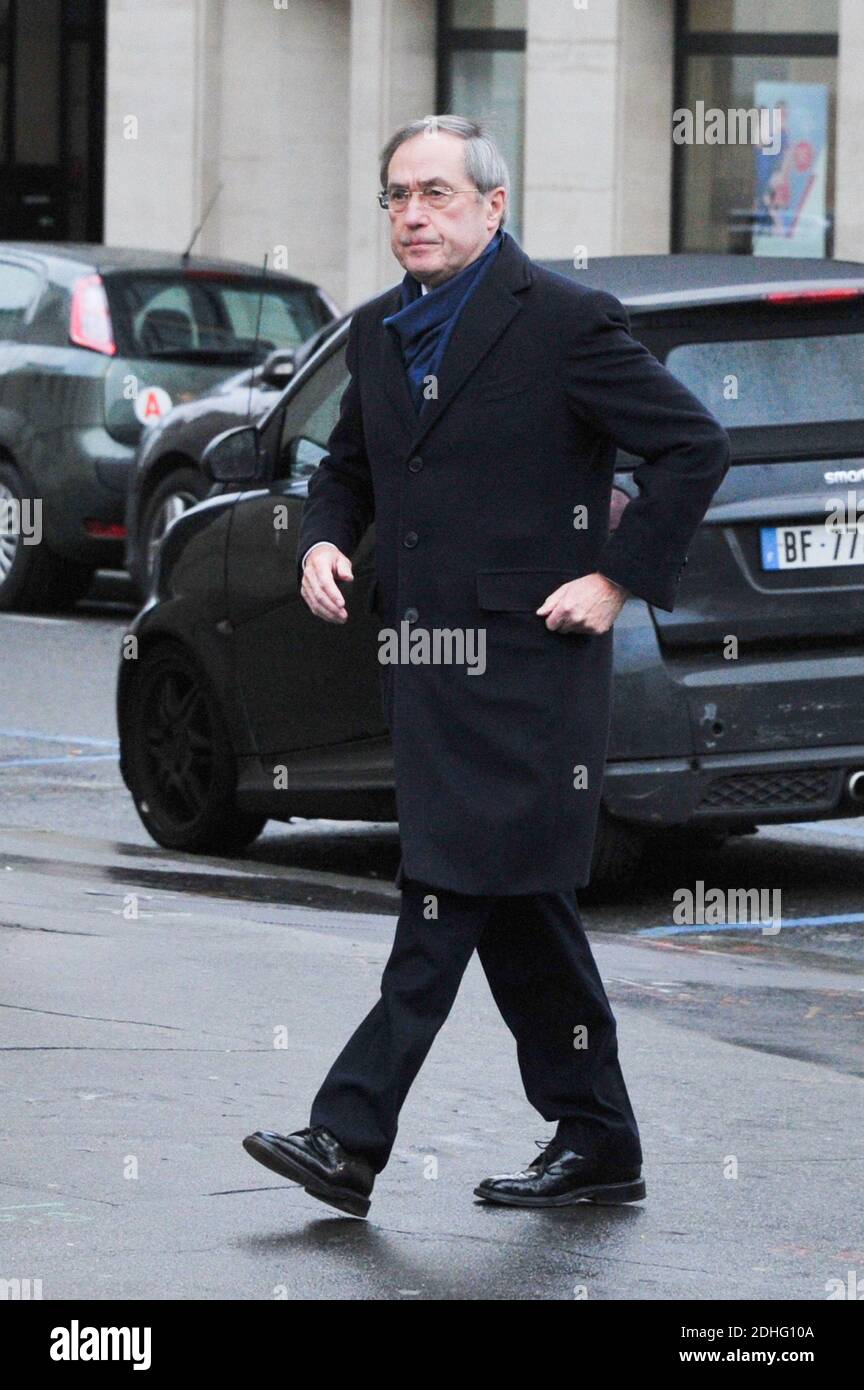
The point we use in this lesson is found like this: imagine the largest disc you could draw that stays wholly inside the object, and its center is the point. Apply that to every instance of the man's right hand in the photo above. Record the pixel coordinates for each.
(324, 565)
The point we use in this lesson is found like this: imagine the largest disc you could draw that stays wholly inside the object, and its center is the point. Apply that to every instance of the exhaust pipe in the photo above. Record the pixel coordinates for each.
(855, 785)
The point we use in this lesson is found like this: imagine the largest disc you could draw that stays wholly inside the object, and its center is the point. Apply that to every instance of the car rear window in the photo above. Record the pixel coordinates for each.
(775, 381)
(196, 317)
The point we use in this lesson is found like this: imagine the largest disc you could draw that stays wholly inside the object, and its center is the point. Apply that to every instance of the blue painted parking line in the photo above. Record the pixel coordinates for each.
(840, 919)
(33, 736)
(59, 738)
(71, 758)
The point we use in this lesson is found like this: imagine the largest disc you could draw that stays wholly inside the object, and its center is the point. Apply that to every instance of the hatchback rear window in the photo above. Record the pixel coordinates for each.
(775, 381)
(195, 317)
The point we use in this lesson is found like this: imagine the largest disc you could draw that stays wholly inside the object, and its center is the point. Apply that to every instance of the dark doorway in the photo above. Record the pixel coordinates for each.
(52, 119)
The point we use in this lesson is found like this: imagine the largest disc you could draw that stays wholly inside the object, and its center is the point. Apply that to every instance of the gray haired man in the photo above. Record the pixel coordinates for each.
(486, 400)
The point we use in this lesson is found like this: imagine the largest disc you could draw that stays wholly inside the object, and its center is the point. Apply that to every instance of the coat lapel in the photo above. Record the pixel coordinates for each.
(484, 318)
(392, 371)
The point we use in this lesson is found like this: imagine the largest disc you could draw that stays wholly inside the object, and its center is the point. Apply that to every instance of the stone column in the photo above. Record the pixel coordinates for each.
(598, 149)
(393, 73)
(162, 119)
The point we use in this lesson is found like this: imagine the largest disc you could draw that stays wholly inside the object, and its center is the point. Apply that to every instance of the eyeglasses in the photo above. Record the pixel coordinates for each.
(397, 199)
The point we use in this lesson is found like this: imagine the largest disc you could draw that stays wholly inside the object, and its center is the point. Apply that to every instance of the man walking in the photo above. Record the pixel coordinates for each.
(479, 429)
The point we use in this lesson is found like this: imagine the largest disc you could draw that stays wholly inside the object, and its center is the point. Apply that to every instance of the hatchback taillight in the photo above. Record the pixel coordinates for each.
(802, 296)
(90, 318)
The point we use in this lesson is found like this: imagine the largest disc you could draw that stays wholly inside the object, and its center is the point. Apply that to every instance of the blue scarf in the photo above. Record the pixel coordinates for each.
(424, 324)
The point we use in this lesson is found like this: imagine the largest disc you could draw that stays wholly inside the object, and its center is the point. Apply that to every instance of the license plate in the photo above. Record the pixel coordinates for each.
(811, 547)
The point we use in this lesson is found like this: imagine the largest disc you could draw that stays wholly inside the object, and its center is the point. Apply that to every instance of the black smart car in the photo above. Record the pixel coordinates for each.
(743, 706)
(96, 344)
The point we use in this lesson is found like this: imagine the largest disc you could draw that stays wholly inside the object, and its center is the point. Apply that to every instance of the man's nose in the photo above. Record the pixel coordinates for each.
(416, 212)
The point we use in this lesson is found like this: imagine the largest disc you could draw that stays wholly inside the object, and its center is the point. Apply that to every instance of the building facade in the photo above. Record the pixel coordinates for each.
(623, 121)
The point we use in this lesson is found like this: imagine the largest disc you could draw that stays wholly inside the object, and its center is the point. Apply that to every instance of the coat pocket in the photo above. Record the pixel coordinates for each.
(511, 385)
(516, 591)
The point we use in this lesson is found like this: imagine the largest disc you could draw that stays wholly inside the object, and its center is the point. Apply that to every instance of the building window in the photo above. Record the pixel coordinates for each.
(481, 75)
(747, 184)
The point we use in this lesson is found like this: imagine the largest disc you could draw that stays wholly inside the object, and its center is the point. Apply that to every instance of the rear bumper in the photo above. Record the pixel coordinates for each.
(82, 475)
(735, 788)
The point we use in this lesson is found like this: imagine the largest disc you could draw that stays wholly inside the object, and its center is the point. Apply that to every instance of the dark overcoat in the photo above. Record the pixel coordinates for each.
(484, 503)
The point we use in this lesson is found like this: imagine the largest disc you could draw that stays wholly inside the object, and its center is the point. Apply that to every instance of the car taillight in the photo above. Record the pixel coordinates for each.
(799, 296)
(617, 502)
(90, 318)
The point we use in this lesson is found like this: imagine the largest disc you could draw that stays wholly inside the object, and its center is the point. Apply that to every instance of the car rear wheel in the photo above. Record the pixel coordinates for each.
(618, 851)
(31, 576)
(175, 494)
(177, 757)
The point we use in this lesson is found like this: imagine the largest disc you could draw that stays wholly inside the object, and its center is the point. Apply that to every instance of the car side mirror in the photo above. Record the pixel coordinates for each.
(235, 456)
(279, 366)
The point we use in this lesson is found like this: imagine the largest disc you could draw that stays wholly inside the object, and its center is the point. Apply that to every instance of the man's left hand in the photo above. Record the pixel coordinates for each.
(588, 605)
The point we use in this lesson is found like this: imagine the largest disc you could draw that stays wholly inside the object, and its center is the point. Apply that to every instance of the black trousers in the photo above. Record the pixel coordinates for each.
(545, 982)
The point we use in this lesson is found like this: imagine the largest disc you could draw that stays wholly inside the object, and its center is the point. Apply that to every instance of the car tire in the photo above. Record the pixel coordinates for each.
(32, 577)
(174, 495)
(616, 859)
(684, 847)
(177, 757)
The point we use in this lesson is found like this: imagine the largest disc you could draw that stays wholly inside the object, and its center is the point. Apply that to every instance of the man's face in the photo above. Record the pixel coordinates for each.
(435, 243)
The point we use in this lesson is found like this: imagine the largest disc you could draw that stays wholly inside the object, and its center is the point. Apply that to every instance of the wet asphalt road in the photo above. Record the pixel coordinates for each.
(142, 996)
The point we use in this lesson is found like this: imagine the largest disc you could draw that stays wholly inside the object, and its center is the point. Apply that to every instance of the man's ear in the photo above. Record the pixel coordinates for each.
(499, 210)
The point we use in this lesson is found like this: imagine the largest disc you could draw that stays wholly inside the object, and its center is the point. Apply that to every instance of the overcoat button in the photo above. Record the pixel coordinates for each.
(415, 464)
(411, 539)
(411, 615)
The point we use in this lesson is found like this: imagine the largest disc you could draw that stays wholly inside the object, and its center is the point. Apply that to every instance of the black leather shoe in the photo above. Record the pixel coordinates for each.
(315, 1159)
(559, 1177)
